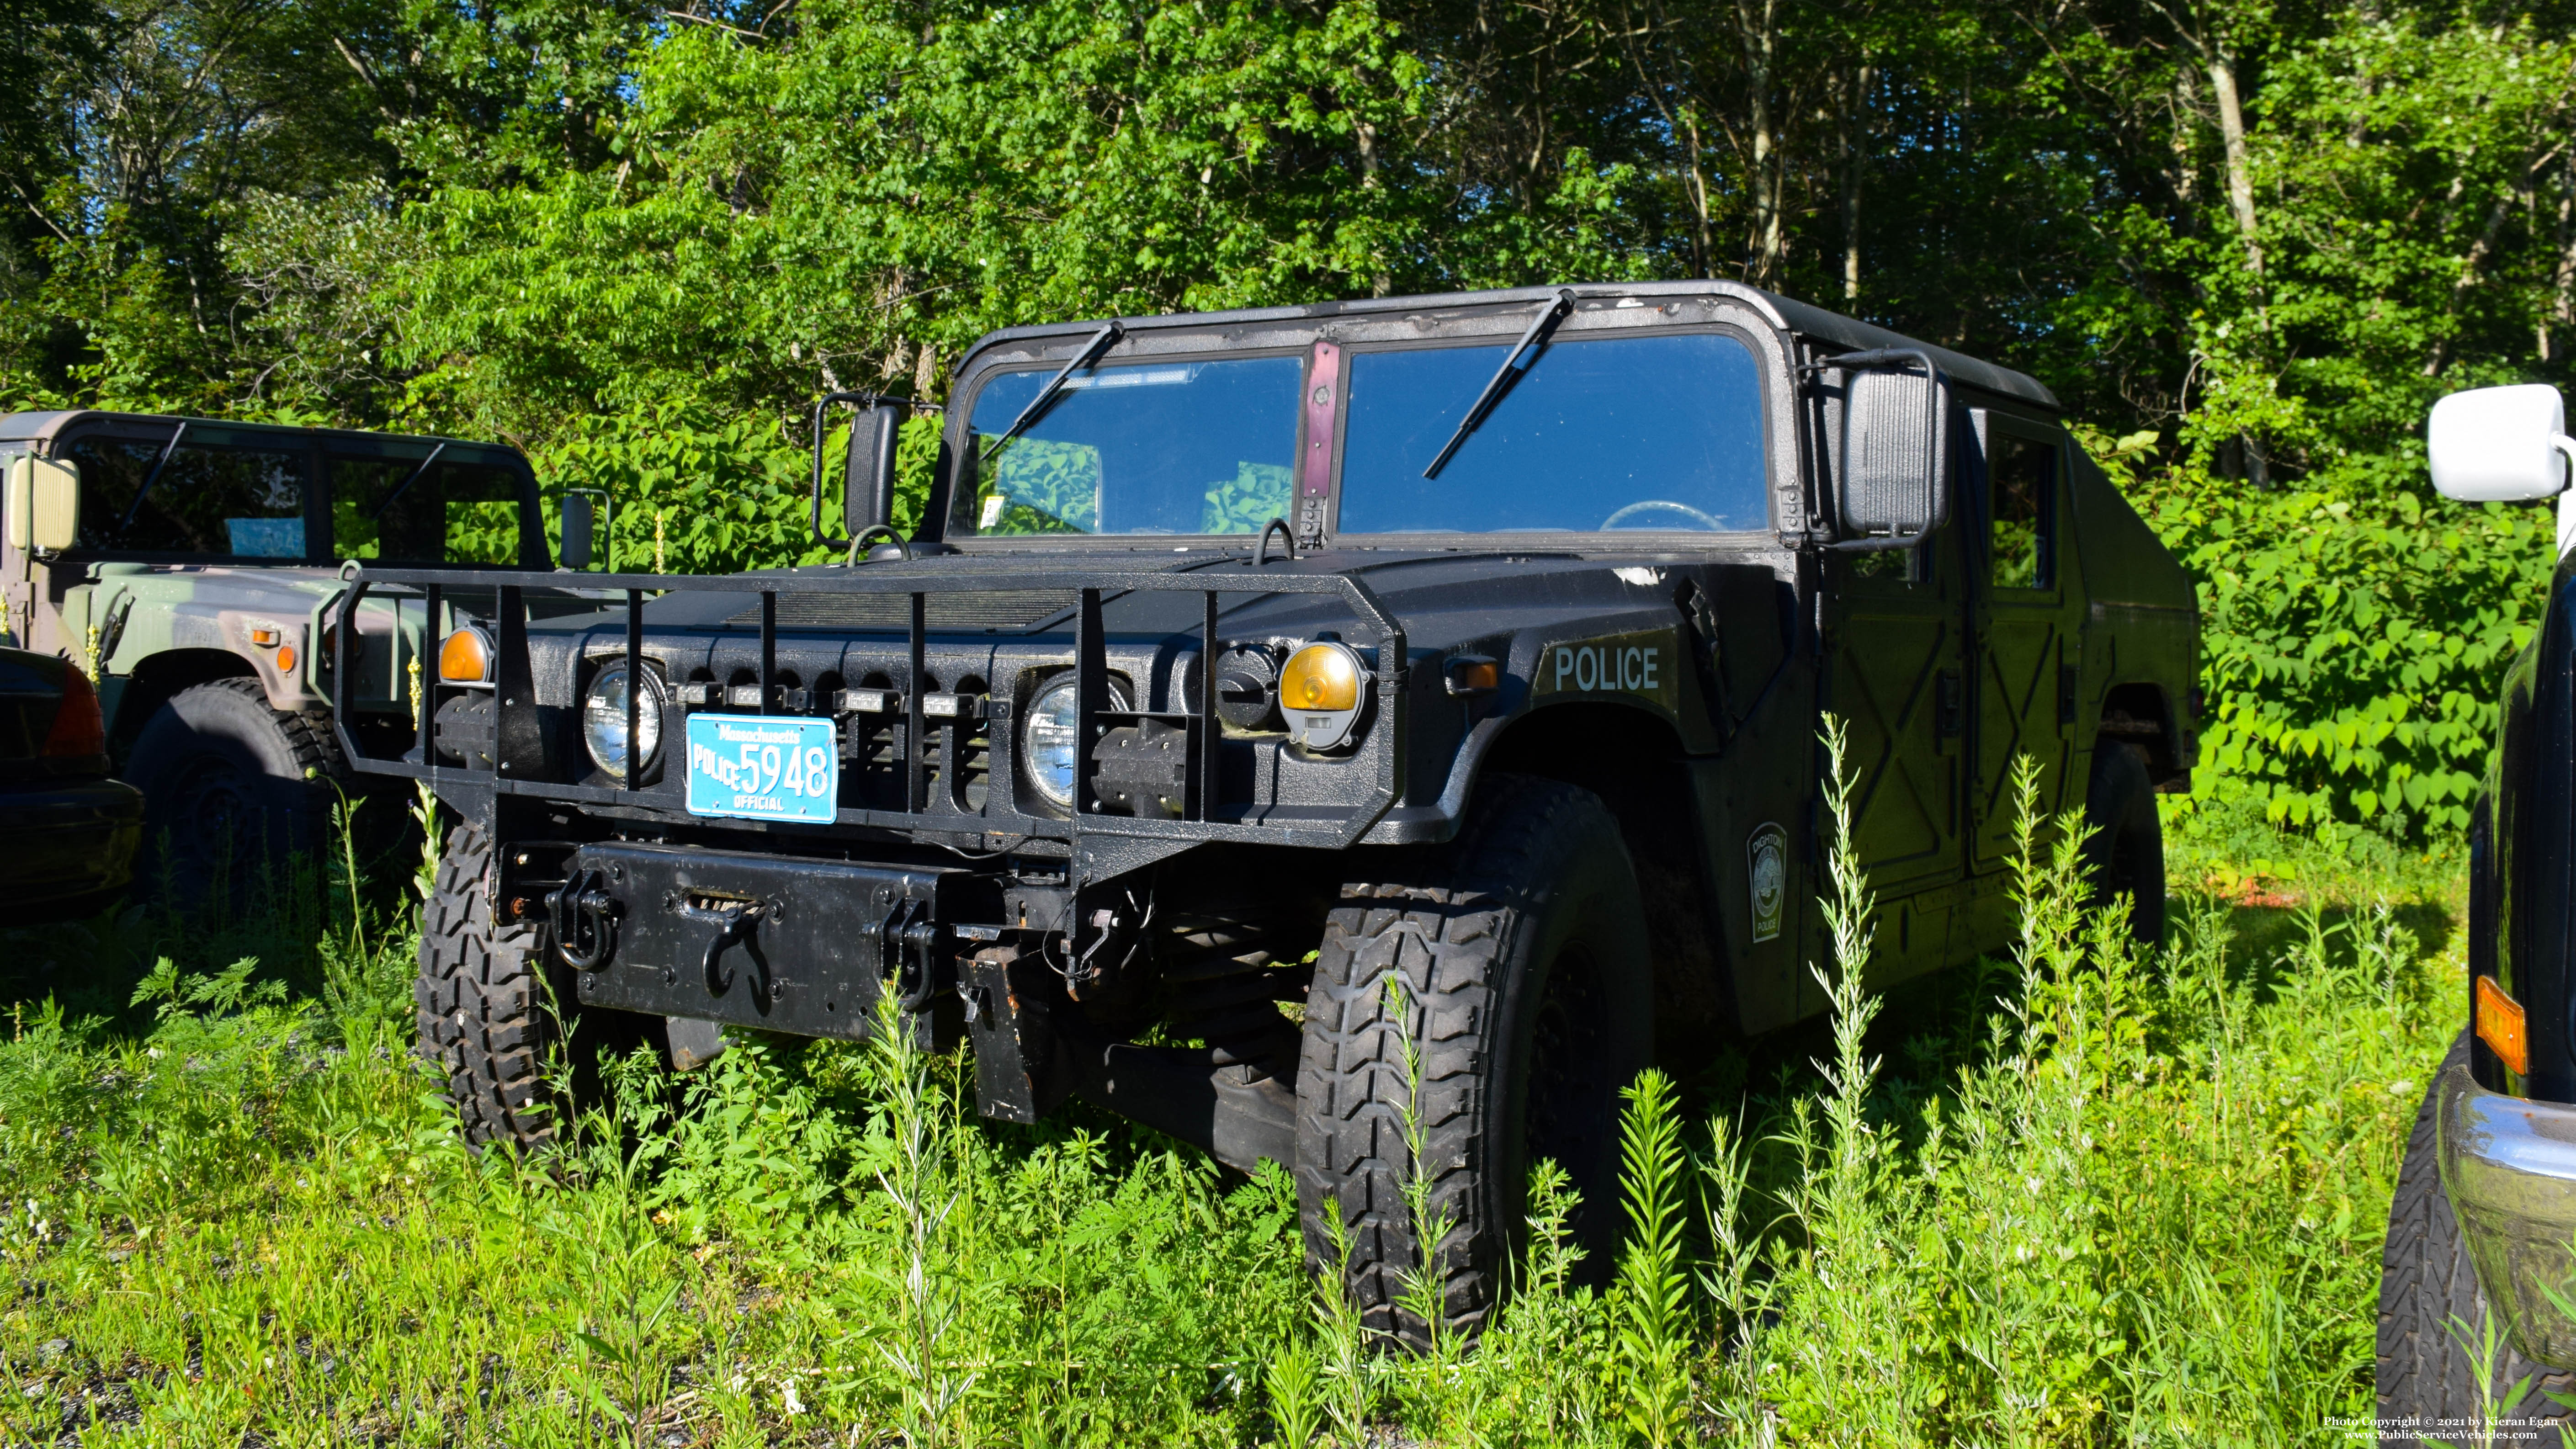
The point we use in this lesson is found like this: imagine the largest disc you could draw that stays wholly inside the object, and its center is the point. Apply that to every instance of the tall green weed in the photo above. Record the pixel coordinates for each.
(2086, 1196)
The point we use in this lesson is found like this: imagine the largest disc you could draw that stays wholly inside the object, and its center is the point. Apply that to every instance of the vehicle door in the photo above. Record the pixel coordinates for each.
(2026, 643)
(1897, 644)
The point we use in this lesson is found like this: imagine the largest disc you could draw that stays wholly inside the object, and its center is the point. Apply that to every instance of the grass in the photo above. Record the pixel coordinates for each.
(2072, 1197)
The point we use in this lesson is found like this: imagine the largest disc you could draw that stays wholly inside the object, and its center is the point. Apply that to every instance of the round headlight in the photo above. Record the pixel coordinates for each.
(603, 721)
(1321, 690)
(1051, 738)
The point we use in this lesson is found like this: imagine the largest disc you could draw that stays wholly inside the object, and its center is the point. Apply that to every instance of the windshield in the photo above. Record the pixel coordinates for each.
(242, 502)
(1162, 446)
(1624, 431)
(388, 508)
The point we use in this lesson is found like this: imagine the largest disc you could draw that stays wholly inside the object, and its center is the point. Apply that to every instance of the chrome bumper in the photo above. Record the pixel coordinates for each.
(2509, 1169)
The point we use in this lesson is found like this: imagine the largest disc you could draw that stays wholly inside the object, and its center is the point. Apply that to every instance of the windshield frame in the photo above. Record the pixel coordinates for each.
(1486, 320)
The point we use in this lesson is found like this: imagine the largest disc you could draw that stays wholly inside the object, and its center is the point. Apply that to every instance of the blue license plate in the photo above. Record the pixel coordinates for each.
(756, 768)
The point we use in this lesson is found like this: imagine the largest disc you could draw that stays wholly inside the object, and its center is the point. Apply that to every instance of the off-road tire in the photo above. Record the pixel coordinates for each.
(2426, 1280)
(493, 1007)
(485, 1015)
(231, 789)
(1522, 949)
(2126, 852)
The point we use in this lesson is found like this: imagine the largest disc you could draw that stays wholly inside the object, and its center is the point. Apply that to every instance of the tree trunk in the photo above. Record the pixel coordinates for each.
(2240, 171)
(1755, 25)
(1851, 156)
(1381, 282)
(2562, 284)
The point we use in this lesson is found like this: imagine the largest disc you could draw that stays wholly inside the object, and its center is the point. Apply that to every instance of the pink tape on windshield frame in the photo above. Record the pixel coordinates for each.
(1322, 404)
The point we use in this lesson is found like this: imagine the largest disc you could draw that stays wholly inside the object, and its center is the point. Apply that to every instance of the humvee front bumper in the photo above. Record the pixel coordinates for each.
(1094, 833)
(2509, 1169)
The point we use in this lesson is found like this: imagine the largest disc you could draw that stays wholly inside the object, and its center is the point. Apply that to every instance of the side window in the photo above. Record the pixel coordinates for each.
(2021, 521)
(1896, 565)
(387, 508)
(239, 502)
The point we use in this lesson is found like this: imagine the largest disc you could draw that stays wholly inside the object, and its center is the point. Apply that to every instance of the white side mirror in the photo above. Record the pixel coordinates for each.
(43, 505)
(2500, 444)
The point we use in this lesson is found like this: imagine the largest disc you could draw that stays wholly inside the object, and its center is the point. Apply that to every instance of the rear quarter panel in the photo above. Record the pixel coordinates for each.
(2142, 617)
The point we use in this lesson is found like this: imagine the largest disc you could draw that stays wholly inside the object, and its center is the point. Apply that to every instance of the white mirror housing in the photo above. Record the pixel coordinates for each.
(2500, 444)
(43, 504)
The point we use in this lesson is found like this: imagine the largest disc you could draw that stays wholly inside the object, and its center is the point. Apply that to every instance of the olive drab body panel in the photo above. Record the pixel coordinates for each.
(197, 570)
(209, 549)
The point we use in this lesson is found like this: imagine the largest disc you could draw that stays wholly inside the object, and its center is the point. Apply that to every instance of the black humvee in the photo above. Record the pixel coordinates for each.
(1266, 690)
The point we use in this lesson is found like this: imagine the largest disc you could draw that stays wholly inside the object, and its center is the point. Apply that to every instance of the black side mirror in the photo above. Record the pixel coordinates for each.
(1895, 449)
(867, 477)
(867, 484)
(573, 551)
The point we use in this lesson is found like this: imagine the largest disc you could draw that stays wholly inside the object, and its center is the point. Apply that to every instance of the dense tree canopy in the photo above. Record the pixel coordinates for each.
(2266, 231)
(2247, 240)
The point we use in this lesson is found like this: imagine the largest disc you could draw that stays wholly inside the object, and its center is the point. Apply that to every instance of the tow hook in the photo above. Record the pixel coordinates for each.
(912, 955)
(738, 922)
(584, 915)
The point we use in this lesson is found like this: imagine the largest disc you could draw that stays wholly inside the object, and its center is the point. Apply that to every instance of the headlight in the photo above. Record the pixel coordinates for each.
(1320, 691)
(603, 721)
(1051, 739)
(466, 657)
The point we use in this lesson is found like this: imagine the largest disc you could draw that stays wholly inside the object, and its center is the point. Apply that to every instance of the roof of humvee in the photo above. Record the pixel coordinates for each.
(1831, 328)
(50, 425)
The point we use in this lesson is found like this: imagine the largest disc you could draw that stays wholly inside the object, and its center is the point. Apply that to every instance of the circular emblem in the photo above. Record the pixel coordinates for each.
(1767, 856)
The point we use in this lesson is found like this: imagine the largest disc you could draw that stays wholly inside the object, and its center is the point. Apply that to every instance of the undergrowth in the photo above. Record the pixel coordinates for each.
(2079, 1196)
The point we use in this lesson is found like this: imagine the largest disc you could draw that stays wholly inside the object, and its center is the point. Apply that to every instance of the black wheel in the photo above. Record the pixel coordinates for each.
(2127, 849)
(1522, 950)
(233, 792)
(2426, 1283)
(493, 1005)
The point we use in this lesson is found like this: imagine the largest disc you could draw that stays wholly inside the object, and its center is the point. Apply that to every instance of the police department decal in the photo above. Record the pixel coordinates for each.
(1635, 664)
(1767, 854)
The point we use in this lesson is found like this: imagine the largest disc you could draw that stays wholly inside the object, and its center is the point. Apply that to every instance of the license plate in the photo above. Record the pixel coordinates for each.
(763, 768)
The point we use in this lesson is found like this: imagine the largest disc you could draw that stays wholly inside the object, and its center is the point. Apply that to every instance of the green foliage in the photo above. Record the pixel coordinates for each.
(2353, 646)
(2133, 1199)
(1654, 1287)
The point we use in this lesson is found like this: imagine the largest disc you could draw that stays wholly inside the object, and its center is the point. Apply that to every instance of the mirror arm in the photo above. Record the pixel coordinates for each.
(871, 531)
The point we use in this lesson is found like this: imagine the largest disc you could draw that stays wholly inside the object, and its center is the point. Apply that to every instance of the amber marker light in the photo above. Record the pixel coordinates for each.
(1320, 677)
(1319, 694)
(2500, 1027)
(466, 658)
(286, 659)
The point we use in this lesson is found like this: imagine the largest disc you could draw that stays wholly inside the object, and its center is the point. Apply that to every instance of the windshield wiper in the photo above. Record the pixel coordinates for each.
(1101, 341)
(1524, 353)
(405, 485)
(125, 525)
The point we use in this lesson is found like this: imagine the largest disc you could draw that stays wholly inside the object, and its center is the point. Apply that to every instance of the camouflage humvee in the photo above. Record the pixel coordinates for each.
(191, 567)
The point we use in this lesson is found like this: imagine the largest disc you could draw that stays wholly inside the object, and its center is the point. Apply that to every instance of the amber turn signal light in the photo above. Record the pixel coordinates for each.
(2500, 1026)
(466, 658)
(1321, 677)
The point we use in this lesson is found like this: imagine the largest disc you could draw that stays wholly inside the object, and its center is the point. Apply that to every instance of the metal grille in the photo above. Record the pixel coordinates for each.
(998, 610)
